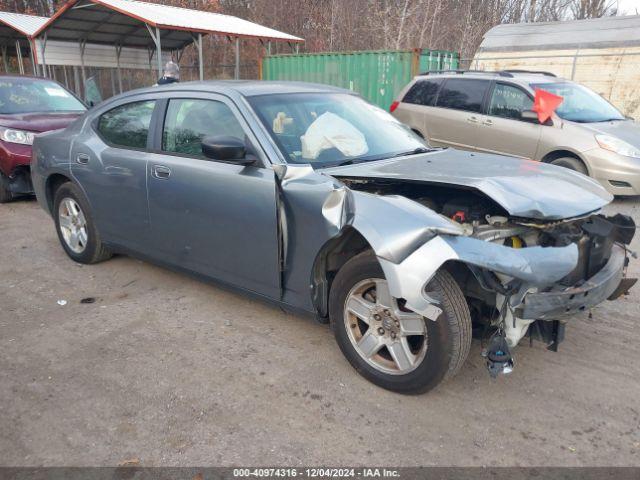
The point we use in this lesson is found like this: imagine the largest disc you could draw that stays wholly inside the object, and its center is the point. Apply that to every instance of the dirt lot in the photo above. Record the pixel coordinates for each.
(173, 371)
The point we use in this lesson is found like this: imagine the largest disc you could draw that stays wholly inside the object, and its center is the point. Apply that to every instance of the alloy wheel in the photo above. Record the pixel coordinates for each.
(73, 225)
(387, 335)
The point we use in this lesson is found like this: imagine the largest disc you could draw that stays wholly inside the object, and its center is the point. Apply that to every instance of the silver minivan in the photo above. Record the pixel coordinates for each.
(492, 112)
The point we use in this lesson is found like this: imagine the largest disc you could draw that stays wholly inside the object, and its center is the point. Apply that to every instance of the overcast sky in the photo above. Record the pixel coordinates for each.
(628, 7)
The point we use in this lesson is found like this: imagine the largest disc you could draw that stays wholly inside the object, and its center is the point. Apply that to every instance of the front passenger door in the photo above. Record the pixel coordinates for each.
(214, 218)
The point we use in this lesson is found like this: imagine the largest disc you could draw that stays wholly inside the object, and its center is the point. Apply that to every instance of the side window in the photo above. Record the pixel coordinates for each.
(508, 101)
(188, 121)
(423, 92)
(127, 125)
(463, 94)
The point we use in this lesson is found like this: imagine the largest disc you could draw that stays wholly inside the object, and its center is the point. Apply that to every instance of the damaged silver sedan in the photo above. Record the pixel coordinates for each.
(309, 197)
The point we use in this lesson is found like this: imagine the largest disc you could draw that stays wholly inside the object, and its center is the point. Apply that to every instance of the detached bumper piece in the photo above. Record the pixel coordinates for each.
(561, 302)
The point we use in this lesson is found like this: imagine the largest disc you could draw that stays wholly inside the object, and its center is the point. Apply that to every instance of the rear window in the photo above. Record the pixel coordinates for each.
(463, 94)
(423, 92)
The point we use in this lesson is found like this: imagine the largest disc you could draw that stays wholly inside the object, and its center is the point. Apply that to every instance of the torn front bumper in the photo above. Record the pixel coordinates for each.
(563, 301)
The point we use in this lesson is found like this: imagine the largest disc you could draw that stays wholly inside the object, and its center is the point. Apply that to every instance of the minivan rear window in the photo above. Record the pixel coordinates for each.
(423, 92)
(463, 94)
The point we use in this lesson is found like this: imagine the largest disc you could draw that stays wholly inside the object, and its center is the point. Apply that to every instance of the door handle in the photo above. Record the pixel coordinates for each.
(82, 158)
(488, 123)
(161, 172)
(472, 119)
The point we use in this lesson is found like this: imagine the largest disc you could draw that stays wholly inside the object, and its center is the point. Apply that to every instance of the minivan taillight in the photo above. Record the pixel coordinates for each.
(393, 106)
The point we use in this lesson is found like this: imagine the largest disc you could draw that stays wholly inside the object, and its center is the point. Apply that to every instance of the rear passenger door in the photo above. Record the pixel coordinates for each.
(502, 129)
(455, 122)
(109, 161)
(214, 218)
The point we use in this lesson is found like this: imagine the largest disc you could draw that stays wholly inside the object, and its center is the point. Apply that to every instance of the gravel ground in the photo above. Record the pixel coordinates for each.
(171, 371)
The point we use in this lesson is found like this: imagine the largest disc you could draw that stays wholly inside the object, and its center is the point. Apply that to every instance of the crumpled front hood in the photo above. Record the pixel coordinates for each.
(524, 188)
(626, 130)
(39, 122)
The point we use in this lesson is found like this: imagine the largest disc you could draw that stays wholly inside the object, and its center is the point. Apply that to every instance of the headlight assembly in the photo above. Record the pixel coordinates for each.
(618, 146)
(11, 135)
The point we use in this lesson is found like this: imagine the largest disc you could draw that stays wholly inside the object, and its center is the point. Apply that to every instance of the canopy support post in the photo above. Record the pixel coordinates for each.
(198, 42)
(19, 55)
(5, 63)
(269, 47)
(159, 52)
(118, 51)
(66, 78)
(34, 63)
(76, 81)
(83, 44)
(44, 58)
(200, 59)
(297, 48)
(155, 36)
(236, 74)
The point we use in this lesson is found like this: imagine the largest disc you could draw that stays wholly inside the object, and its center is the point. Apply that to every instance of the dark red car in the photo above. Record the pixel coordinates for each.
(28, 105)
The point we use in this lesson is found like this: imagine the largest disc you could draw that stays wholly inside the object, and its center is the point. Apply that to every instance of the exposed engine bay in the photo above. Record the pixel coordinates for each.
(500, 304)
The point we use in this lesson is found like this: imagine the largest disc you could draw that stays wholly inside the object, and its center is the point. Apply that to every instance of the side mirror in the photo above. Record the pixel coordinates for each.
(529, 116)
(224, 148)
(532, 117)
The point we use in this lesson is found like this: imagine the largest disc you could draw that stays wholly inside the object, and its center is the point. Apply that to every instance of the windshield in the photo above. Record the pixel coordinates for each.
(30, 95)
(333, 129)
(580, 104)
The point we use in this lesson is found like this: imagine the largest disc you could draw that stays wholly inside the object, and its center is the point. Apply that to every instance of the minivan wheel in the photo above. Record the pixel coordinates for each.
(5, 193)
(75, 226)
(571, 163)
(387, 343)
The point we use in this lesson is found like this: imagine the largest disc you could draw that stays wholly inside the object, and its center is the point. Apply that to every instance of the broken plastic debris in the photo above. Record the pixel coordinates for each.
(62, 303)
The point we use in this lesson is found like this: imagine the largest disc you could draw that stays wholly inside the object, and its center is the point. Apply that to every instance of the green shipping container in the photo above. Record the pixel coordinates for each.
(376, 75)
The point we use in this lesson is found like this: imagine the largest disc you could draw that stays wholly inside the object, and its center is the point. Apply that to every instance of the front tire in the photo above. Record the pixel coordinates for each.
(75, 226)
(5, 193)
(572, 164)
(390, 345)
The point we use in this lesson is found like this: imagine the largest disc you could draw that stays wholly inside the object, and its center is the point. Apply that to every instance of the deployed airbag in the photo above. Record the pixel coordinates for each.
(331, 131)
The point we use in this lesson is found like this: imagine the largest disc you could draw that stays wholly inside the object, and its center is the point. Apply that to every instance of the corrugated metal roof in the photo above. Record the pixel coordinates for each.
(94, 20)
(593, 33)
(168, 16)
(25, 24)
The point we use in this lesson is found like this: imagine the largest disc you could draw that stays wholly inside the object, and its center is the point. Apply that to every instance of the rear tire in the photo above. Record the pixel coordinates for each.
(434, 355)
(571, 163)
(5, 193)
(75, 226)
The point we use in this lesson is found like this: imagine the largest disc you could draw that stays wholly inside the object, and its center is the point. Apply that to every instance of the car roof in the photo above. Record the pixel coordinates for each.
(520, 77)
(247, 88)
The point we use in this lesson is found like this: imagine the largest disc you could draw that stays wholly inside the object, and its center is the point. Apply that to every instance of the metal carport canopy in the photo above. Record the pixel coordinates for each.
(16, 30)
(130, 23)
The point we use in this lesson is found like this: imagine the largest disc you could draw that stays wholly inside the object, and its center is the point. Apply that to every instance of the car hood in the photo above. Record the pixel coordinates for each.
(38, 122)
(524, 188)
(627, 130)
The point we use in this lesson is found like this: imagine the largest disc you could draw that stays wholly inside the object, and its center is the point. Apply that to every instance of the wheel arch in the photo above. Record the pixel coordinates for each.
(53, 182)
(563, 152)
(330, 258)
